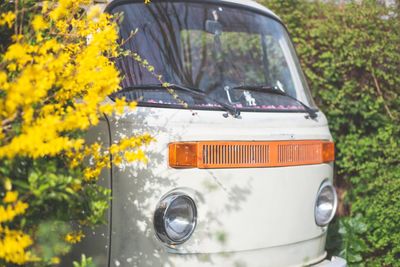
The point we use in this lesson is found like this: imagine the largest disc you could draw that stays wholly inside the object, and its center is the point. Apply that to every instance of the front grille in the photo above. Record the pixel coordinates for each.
(249, 154)
(240, 155)
(294, 153)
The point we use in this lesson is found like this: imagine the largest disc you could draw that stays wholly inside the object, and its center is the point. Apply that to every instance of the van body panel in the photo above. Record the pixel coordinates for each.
(238, 209)
(306, 253)
(96, 243)
(202, 125)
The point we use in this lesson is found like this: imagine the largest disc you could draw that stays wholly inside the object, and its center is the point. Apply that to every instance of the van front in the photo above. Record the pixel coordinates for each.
(241, 170)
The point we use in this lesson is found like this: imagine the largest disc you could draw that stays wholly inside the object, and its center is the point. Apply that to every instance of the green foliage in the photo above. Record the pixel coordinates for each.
(56, 198)
(53, 189)
(351, 57)
(50, 239)
(344, 239)
(85, 262)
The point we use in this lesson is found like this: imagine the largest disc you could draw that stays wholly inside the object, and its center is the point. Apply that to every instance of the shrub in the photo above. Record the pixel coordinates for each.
(351, 56)
(55, 72)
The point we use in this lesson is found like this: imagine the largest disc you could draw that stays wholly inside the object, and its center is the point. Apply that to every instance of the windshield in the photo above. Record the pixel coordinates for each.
(212, 48)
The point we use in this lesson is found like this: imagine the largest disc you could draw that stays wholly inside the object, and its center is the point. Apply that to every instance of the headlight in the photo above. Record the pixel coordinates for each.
(326, 203)
(175, 218)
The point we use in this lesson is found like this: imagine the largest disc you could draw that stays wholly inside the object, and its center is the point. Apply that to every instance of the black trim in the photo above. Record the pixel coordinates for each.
(112, 193)
(116, 3)
(173, 106)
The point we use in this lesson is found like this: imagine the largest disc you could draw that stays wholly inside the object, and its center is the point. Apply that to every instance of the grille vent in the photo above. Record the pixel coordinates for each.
(235, 154)
(294, 153)
(249, 154)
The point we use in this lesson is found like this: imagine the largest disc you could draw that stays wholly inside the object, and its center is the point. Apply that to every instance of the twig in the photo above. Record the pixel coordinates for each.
(16, 18)
(133, 33)
(378, 89)
(22, 19)
(7, 121)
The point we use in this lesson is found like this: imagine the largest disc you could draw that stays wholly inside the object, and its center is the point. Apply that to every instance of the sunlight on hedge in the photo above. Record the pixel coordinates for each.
(56, 71)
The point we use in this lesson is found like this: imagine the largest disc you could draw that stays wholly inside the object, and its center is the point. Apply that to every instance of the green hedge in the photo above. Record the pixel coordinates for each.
(351, 57)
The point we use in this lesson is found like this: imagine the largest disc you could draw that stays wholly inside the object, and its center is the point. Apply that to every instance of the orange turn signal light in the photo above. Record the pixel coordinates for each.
(328, 152)
(249, 154)
(183, 155)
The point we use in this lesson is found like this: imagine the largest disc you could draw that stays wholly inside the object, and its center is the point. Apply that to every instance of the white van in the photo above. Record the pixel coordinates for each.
(241, 173)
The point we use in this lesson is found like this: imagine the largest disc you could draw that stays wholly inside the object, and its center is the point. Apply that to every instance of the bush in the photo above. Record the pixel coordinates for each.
(351, 56)
(55, 72)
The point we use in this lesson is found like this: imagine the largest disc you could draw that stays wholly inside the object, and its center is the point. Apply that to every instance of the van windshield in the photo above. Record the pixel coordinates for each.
(212, 48)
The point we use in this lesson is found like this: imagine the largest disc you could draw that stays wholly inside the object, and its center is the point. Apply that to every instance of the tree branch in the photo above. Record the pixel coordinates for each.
(378, 89)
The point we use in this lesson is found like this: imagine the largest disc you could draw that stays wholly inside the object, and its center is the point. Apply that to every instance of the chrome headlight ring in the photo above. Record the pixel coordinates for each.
(175, 218)
(325, 204)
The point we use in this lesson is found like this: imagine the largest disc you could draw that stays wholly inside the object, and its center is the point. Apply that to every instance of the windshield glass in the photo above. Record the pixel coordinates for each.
(212, 48)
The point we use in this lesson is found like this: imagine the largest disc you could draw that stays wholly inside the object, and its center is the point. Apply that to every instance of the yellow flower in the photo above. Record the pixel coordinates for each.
(9, 212)
(10, 197)
(7, 184)
(7, 18)
(133, 105)
(12, 67)
(117, 160)
(45, 6)
(38, 23)
(13, 244)
(139, 155)
(55, 260)
(18, 53)
(94, 12)
(107, 109)
(17, 37)
(74, 237)
(120, 105)
(76, 186)
(3, 78)
(91, 174)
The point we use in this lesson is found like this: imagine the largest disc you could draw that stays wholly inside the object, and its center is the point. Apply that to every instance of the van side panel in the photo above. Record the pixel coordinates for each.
(96, 242)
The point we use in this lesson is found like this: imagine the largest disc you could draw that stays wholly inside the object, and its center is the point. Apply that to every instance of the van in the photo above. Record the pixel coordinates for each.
(241, 173)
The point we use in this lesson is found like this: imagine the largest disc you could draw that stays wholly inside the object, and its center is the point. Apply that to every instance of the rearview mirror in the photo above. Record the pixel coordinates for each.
(213, 27)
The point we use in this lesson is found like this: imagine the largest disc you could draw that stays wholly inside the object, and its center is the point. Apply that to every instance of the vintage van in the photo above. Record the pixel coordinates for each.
(241, 173)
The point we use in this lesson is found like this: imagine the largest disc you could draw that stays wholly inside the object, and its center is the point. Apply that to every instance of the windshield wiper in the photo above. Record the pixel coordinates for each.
(230, 109)
(276, 91)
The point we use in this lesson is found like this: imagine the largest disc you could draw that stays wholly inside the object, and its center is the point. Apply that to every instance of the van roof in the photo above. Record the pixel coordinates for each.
(252, 4)
(246, 3)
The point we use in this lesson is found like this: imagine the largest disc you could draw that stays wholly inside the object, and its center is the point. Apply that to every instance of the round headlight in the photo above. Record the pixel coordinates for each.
(326, 203)
(175, 218)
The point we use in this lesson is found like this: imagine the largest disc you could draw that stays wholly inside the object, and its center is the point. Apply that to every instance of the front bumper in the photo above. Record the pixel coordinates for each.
(245, 259)
(305, 253)
(334, 262)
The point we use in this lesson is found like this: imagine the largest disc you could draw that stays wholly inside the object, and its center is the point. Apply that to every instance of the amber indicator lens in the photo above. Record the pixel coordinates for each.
(249, 154)
(183, 155)
(328, 152)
